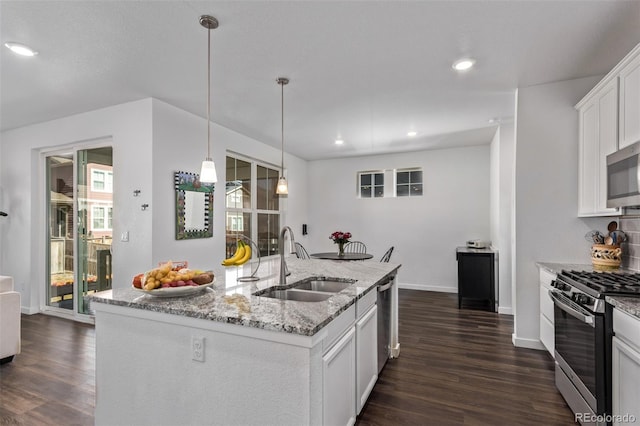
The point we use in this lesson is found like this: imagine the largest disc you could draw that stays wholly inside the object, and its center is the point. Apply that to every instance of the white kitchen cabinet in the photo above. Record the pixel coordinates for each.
(366, 355)
(547, 336)
(630, 103)
(339, 372)
(598, 137)
(625, 368)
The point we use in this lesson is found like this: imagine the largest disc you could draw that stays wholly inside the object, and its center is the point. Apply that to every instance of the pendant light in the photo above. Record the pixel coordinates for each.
(282, 188)
(208, 170)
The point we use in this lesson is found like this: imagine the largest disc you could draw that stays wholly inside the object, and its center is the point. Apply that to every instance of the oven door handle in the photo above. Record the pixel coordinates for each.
(564, 303)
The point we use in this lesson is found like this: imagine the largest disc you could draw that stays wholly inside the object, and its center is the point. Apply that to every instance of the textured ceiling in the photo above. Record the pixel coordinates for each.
(367, 72)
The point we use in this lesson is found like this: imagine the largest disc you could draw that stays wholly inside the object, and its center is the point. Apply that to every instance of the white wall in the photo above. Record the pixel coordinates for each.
(425, 231)
(180, 142)
(547, 228)
(22, 179)
(502, 169)
(151, 140)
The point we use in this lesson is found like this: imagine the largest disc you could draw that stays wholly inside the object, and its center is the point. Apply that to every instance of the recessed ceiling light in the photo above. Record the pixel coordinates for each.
(339, 141)
(412, 133)
(21, 49)
(463, 64)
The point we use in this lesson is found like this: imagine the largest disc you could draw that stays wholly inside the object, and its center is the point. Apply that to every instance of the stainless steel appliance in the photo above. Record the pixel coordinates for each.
(384, 323)
(583, 332)
(623, 180)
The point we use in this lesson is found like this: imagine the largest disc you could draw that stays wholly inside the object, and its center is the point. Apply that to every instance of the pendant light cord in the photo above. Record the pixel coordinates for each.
(209, 95)
(282, 128)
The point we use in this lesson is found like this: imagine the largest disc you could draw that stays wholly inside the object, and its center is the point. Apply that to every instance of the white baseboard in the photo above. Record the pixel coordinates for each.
(505, 311)
(29, 310)
(520, 342)
(426, 287)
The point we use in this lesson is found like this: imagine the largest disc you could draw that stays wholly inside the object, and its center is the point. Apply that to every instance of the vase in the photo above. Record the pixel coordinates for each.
(340, 249)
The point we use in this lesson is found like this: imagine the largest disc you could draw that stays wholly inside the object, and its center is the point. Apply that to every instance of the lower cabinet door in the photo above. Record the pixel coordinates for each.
(547, 335)
(625, 368)
(366, 355)
(339, 373)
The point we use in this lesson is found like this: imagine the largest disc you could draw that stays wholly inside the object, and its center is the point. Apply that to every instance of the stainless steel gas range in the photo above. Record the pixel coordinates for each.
(583, 332)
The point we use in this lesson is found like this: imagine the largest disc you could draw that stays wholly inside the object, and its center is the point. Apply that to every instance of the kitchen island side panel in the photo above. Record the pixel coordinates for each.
(145, 375)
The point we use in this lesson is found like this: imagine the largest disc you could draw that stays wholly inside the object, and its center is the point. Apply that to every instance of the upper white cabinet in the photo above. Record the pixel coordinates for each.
(630, 103)
(598, 137)
(609, 119)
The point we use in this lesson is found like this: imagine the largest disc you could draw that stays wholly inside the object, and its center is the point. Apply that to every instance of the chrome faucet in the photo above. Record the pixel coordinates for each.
(292, 249)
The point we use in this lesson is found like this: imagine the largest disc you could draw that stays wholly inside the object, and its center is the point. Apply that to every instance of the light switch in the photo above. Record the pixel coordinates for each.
(124, 237)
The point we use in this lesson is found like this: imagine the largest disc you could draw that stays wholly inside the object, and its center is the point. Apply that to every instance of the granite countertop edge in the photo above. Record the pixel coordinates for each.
(630, 305)
(301, 318)
(556, 268)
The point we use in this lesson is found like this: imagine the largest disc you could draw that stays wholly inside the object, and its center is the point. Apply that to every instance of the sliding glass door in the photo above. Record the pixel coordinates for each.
(61, 201)
(80, 211)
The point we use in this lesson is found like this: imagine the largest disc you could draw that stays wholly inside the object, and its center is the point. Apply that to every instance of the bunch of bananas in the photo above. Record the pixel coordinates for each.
(241, 256)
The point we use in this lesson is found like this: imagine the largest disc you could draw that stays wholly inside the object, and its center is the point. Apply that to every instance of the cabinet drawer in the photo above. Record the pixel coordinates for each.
(366, 302)
(546, 304)
(338, 326)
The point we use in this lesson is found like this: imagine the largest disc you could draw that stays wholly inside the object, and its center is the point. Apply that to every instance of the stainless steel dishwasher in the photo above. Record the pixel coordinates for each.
(384, 322)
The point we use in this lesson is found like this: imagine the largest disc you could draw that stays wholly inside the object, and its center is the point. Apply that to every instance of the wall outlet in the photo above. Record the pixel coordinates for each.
(124, 237)
(197, 348)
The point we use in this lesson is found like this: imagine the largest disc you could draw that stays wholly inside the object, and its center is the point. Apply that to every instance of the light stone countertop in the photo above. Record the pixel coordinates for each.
(556, 268)
(630, 305)
(224, 301)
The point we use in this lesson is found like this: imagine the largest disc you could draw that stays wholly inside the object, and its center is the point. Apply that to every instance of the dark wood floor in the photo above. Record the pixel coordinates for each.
(456, 367)
(459, 367)
(52, 382)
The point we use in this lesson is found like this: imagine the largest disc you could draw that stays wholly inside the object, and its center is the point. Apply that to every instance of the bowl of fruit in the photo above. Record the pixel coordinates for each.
(168, 280)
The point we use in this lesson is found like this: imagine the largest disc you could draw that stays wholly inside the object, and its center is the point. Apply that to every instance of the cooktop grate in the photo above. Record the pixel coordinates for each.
(599, 284)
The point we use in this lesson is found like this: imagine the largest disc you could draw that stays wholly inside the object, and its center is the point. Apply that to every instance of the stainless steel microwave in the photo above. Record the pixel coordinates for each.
(623, 178)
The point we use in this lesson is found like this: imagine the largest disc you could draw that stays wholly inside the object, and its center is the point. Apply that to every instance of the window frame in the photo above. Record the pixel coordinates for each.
(107, 217)
(107, 182)
(253, 210)
(374, 186)
(409, 183)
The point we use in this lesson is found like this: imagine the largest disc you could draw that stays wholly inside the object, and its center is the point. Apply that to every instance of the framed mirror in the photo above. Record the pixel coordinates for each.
(194, 206)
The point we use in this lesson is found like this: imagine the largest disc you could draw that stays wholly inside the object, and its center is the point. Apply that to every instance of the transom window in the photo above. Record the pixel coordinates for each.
(409, 183)
(371, 184)
(390, 183)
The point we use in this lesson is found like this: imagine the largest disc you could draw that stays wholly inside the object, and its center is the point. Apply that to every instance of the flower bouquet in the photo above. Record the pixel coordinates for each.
(340, 238)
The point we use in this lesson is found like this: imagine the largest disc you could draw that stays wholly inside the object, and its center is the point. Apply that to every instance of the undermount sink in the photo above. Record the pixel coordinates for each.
(298, 296)
(330, 286)
(313, 289)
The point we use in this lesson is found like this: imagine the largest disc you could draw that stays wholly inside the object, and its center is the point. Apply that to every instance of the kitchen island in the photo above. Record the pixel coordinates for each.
(226, 356)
